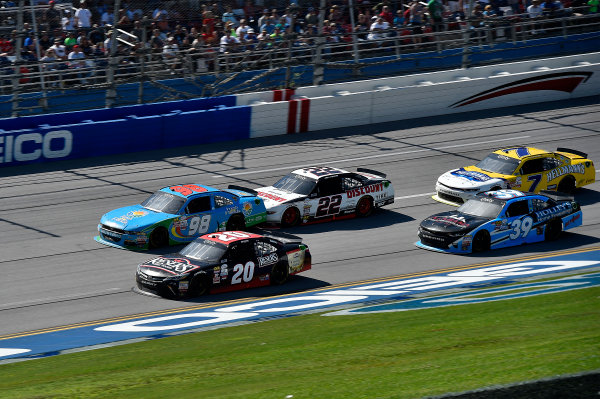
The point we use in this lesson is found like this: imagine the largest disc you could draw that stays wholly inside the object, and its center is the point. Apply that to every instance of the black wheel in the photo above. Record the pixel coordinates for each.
(566, 185)
(279, 274)
(199, 285)
(236, 222)
(553, 230)
(291, 217)
(481, 242)
(364, 207)
(159, 238)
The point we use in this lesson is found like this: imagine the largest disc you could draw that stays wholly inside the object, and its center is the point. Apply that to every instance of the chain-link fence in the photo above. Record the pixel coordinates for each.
(94, 48)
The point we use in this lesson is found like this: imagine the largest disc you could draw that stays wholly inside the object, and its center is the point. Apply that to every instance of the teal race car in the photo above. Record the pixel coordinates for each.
(179, 214)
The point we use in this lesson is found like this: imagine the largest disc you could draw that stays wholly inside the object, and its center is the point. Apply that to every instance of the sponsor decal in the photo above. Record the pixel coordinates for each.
(563, 170)
(130, 216)
(520, 151)
(271, 196)
(471, 175)
(572, 220)
(373, 188)
(555, 211)
(31, 146)
(295, 260)
(179, 265)
(563, 81)
(267, 260)
(247, 208)
(455, 220)
(466, 242)
(224, 272)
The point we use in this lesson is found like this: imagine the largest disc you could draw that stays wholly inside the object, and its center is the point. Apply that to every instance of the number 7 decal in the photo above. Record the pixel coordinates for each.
(536, 180)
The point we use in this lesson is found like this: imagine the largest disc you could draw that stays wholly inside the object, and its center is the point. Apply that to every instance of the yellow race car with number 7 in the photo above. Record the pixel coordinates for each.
(518, 168)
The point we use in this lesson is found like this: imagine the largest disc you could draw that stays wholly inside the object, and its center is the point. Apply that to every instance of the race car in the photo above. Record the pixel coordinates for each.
(221, 262)
(498, 219)
(179, 214)
(318, 194)
(520, 168)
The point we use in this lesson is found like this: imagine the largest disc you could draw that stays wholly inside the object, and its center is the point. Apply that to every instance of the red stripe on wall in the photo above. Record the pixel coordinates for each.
(289, 93)
(304, 114)
(277, 95)
(292, 113)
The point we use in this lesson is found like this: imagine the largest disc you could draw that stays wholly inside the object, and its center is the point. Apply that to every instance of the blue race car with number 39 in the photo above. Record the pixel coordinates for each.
(498, 219)
(180, 214)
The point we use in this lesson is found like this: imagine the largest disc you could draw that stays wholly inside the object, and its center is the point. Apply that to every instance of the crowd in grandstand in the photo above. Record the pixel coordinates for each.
(69, 35)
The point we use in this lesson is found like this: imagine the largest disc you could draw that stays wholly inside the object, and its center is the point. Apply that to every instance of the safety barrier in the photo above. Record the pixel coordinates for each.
(192, 122)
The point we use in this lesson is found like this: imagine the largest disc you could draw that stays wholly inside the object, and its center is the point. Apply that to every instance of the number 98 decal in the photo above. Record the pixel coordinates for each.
(521, 227)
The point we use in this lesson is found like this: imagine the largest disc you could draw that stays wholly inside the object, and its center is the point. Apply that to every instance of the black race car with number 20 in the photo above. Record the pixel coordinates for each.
(498, 219)
(220, 262)
(319, 194)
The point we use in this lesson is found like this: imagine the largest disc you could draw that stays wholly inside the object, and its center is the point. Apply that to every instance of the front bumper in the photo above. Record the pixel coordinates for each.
(121, 239)
(452, 195)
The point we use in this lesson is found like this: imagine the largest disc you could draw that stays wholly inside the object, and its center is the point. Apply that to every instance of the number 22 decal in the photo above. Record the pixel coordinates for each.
(521, 227)
(329, 206)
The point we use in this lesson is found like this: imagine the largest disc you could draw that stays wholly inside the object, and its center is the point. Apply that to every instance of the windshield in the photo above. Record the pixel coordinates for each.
(204, 250)
(296, 184)
(484, 208)
(163, 202)
(497, 163)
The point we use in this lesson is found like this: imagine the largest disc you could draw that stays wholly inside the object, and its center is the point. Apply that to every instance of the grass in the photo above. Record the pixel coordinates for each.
(385, 355)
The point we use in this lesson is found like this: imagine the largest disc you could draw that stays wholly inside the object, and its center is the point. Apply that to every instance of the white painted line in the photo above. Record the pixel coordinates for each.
(414, 196)
(372, 156)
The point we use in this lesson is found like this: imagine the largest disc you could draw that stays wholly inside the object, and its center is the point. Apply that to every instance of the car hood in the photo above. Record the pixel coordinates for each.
(170, 265)
(273, 197)
(469, 178)
(452, 222)
(132, 218)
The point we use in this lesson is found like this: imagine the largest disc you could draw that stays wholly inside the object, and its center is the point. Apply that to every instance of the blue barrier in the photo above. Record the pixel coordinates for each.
(127, 134)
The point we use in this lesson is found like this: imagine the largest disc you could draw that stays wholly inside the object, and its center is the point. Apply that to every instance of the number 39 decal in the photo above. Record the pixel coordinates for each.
(521, 227)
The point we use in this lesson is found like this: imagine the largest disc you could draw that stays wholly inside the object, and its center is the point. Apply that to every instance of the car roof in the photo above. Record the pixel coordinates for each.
(507, 195)
(229, 237)
(521, 152)
(186, 190)
(323, 172)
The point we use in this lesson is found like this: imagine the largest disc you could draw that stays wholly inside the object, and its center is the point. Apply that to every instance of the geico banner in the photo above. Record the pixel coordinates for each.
(26, 147)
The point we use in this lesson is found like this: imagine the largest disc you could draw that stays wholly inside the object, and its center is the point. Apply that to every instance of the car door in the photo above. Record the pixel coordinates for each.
(532, 175)
(328, 197)
(551, 178)
(197, 218)
(519, 221)
(241, 258)
(226, 204)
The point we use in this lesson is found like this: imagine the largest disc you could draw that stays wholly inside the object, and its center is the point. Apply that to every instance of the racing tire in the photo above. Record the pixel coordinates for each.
(290, 217)
(481, 242)
(566, 185)
(159, 238)
(198, 286)
(553, 230)
(495, 188)
(236, 223)
(364, 207)
(279, 274)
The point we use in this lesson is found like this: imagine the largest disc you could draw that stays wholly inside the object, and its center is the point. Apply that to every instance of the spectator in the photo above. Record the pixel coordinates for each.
(489, 12)
(68, 22)
(312, 18)
(377, 28)
(70, 41)
(85, 46)
(535, 11)
(399, 19)
(108, 17)
(77, 63)
(250, 40)
(241, 31)
(96, 35)
(362, 27)
(594, 4)
(268, 26)
(83, 16)
(170, 51)
(59, 49)
(156, 40)
(52, 16)
(45, 41)
(228, 43)
(416, 20)
(436, 11)
(229, 16)
(250, 11)
(49, 62)
(263, 18)
(161, 18)
(387, 15)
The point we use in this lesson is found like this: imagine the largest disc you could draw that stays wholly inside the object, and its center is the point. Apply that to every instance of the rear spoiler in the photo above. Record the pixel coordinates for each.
(371, 171)
(251, 192)
(575, 152)
(285, 238)
(556, 196)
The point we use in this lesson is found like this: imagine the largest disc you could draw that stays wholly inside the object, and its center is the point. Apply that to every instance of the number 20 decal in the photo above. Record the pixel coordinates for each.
(243, 272)
(329, 206)
(521, 227)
